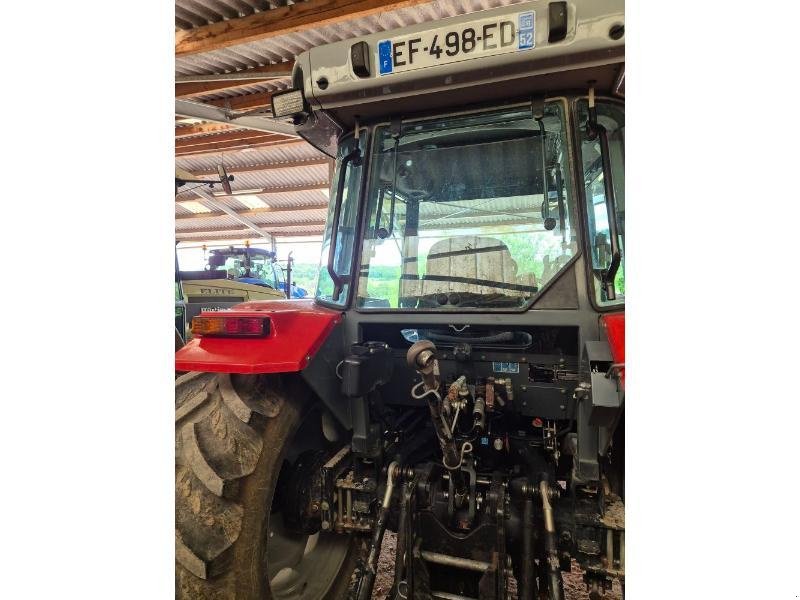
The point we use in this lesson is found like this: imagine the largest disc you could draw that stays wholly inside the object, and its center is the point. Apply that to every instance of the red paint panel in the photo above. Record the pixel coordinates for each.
(297, 330)
(614, 327)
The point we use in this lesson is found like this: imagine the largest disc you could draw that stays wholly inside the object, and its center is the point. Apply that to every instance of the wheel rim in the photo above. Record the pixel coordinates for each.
(303, 566)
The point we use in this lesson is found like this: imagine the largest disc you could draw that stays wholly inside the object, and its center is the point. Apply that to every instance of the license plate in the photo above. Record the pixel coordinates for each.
(445, 45)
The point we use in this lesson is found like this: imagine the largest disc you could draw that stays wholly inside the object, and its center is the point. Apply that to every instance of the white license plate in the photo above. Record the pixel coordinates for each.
(444, 45)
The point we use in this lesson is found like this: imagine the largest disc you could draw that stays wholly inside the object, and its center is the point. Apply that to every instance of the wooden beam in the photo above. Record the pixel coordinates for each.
(279, 21)
(200, 129)
(246, 102)
(234, 146)
(268, 167)
(253, 212)
(229, 136)
(189, 90)
(280, 69)
(265, 73)
(211, 146)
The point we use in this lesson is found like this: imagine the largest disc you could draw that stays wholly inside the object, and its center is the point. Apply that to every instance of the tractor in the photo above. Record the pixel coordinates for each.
(459, 376)
(236, 274)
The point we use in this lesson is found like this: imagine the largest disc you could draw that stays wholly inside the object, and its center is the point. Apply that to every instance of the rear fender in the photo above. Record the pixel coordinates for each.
(298, 329)
(613, 325)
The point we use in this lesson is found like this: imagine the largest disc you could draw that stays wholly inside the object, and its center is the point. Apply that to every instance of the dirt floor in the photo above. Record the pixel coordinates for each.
(574, 588)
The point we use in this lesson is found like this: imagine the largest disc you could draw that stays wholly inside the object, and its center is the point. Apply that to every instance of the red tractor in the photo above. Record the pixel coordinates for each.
(459, 377)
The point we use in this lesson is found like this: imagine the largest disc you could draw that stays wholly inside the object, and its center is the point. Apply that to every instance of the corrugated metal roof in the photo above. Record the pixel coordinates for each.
(273, 85)
(196, 13)
(209, 223)
(245, 233)
(266, 219)
(281, 177)
(274, 178)
(284, 200)
(270, 155)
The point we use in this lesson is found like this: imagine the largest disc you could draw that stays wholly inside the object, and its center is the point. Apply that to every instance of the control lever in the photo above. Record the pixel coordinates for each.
(422, 357)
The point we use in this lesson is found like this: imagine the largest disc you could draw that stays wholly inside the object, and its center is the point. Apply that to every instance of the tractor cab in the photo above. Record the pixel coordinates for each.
(465, 346)
(248, 265)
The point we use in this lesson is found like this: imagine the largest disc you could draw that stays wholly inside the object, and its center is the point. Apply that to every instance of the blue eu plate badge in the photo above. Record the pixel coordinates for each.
(526, 30)
(385, 56)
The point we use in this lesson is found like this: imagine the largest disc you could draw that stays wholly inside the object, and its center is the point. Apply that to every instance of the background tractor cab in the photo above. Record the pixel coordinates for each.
(254, 266)
(465, 347)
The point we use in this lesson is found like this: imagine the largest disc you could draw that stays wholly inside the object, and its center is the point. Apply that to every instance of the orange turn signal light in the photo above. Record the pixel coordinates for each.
(230, 326)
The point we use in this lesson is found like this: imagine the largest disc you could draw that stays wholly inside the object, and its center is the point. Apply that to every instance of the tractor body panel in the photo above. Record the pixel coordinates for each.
(614, 327)
(297, 329)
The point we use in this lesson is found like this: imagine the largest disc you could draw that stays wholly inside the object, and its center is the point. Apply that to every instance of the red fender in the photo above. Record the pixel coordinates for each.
(614, 327)
(297, 330)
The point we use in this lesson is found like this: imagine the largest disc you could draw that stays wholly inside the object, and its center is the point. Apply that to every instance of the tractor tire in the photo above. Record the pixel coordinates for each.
(234, 435)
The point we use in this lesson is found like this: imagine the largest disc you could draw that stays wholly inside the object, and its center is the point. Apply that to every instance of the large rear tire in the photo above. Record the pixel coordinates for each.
(234, 434)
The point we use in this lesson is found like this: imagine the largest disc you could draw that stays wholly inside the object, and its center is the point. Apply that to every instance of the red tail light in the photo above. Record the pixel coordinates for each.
(230, 326)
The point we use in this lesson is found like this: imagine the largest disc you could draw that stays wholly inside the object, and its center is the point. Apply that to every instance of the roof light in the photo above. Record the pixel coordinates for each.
(194, 206)
(251, 201)
(230, 326)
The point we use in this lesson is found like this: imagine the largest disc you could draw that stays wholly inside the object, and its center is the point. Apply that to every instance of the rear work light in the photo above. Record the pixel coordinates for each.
(230, 326)
(288, 104)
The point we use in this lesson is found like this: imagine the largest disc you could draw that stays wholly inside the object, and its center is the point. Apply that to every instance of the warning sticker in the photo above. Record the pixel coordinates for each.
(505, 367)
